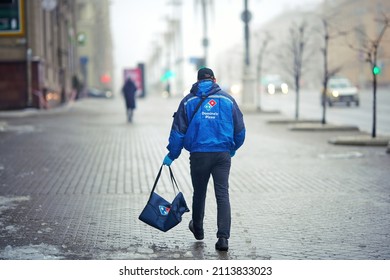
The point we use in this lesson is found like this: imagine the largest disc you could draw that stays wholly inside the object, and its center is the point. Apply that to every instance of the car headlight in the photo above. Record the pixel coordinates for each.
(271, 88)
(284, 88)
(335, 93)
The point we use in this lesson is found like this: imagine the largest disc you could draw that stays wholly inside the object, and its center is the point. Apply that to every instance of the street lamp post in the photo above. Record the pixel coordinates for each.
(246, 17)
(248, 80)
(205, 41)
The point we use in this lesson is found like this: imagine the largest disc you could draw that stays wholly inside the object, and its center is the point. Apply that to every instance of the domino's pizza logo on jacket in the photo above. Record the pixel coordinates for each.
(209, 107)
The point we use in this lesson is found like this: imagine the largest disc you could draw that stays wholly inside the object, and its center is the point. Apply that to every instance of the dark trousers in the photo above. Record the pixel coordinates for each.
(218, 166)
(130, 113)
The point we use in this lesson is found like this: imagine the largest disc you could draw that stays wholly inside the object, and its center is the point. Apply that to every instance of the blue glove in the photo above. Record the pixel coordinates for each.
(167, 160)
(232, 153)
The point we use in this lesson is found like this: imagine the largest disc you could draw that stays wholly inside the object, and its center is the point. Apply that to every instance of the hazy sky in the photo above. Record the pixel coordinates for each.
(136, 24)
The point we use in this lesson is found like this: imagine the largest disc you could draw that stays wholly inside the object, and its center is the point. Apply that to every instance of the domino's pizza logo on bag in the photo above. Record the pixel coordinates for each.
(164, 210)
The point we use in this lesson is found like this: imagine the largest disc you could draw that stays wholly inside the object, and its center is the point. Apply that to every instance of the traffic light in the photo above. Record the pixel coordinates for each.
(376, 70)
(167, 75)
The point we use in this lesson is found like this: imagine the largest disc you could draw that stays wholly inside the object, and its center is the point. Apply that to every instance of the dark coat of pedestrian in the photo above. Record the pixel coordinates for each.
(210, 125)
(129, 90)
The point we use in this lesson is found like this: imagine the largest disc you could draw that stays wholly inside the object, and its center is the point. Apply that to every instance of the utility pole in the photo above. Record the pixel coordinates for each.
(246, 17)
(248, 80)
(178, 44)
(205, 41)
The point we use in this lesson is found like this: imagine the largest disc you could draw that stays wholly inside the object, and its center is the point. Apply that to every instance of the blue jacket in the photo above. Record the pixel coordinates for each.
(217, 126)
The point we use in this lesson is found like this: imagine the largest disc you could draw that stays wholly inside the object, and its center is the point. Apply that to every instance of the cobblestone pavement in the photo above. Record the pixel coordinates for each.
(73, 182)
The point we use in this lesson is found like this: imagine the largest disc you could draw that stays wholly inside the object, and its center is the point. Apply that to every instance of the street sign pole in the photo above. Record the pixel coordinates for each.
(248, 79)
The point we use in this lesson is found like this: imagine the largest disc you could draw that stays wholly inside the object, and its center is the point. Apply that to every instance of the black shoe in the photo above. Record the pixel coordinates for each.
(222, 244)
(197, 236)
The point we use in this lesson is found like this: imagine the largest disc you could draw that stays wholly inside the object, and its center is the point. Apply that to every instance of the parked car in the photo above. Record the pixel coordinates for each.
(341, 90)
(274, 84)
(99, 93)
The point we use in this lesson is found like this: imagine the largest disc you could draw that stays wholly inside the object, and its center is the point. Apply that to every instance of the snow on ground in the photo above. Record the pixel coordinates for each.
(31, 252)
(10, 202)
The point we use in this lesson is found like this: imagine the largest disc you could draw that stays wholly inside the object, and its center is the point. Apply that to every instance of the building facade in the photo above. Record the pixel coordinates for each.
(52, 51)
(95, 44)
(39, 62)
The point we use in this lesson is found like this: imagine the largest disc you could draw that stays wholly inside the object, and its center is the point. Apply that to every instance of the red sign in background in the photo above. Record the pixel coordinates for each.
(136, 75)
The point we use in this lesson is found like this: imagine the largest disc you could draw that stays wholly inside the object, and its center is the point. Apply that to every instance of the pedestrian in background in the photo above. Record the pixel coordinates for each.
(129, 89)
(210, 125)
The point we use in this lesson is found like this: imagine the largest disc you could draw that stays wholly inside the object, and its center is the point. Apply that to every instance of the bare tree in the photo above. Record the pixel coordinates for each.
(296, 49)
(328, 73)
(259, 67)
(370, 48)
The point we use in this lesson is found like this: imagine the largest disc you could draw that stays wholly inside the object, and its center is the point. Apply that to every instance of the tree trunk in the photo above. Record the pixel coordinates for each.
(374, 108)
(297, 99)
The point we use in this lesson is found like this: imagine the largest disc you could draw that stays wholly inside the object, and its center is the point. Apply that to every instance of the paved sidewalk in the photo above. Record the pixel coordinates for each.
(72, 184)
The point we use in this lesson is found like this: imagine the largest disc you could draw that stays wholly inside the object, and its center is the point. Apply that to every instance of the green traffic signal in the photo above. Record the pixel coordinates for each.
(167, 75)
(376, 70)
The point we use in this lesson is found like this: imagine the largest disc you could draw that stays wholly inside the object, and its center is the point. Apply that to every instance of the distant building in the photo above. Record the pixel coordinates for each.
(38, 55)
(95, 43)
(51, 51)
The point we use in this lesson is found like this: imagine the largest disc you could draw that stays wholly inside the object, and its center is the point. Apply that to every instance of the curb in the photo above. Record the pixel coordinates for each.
(363, 140)
(34, 111)
(322, 127)
(267, 112)
(19, 113)
(259, 112)
(291, 121)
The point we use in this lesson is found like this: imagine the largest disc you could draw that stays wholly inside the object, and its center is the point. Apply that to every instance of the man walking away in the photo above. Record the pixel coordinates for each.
(129, 89)
(210, 125)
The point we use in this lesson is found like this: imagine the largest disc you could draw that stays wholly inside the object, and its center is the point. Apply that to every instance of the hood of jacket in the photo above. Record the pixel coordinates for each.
(204, 88)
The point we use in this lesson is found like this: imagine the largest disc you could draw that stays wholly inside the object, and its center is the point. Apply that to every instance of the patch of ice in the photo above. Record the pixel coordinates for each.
(188, 255)
(124, 256)
(176, 256)
(145, 251)
(11, 229)
(48, 230)
(20, 128)
(31, 252)
(9, 202)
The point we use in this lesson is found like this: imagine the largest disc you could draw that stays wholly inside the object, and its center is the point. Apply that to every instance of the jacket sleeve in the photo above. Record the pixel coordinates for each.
(239, 127)
(178, 131)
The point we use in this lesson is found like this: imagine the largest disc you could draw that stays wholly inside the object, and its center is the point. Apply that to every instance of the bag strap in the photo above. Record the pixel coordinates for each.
(173, 180)
(197, 108)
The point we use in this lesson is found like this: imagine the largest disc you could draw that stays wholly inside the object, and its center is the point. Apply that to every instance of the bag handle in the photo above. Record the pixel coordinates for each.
(173, 180)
